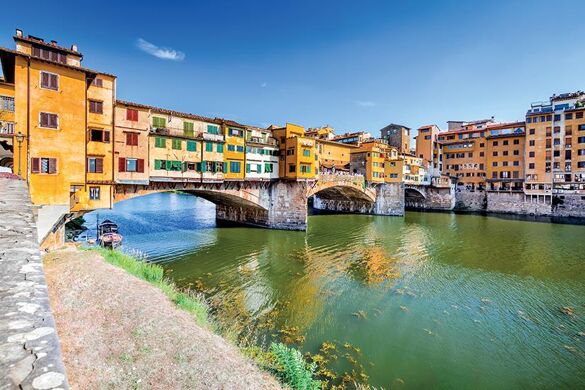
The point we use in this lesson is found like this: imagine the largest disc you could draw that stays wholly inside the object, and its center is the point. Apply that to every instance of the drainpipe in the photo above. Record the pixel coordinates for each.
(27, 122)
(113, 140)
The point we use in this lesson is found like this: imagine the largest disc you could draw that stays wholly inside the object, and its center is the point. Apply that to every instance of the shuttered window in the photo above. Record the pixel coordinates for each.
(188, 129)
(49, 81)
(212, 129)
(191, 146)
(48, 120)
(95, 165)
(208, 147)
(44, 165)
(96, 107)
(131, 115)
(98, 135)
(49, 55)
(219, 148)
(158, 122)
(94, 193)
(132, 139)
(160, 142)
(177, 144)
(97, 82)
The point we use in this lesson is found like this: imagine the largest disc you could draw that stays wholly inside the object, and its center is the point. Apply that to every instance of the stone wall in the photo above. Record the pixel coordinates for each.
(434, 199)
(343, 206)
(470, 200)
(570, 205)
(30, 357)
(389, 199)
(515, 203)
(288, 205)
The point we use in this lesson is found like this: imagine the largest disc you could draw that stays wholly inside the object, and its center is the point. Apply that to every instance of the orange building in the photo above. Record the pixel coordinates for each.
(368, 160)
(505, 156)
(131, 148)
(298, 158)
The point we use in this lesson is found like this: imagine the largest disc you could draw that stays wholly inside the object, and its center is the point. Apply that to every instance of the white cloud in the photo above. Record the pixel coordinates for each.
(264, 85)
(164, 53)
(364, 103)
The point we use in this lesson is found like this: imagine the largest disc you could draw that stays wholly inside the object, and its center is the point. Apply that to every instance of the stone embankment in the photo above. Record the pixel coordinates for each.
(30, 356)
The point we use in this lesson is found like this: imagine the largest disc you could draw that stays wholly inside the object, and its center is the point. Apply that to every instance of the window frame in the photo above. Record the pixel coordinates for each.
(48, 127)
(49, 74)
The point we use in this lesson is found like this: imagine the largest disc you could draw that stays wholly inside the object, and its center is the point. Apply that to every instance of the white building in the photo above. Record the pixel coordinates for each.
(261, 154)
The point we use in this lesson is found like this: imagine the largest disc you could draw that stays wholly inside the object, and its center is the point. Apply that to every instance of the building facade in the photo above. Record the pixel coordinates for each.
(397, 136)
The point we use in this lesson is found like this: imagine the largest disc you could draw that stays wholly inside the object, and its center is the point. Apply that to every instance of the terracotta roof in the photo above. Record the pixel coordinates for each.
(51, 45)
(427, 126)
(219, 121)
(505, 125)
(80, 68)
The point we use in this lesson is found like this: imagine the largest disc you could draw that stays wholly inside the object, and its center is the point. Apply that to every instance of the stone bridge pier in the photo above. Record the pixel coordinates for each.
(350, 194)
(429, 197)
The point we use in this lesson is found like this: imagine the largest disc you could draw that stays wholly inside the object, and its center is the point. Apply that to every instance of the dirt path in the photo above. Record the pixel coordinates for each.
(119, 332)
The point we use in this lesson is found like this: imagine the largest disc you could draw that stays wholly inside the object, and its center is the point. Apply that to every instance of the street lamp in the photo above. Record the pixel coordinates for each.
(19, 139)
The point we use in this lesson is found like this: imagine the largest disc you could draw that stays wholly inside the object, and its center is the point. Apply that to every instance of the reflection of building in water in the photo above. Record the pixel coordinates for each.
(373, 266)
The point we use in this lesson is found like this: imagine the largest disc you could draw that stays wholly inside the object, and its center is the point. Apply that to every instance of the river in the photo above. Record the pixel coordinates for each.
(427, 300)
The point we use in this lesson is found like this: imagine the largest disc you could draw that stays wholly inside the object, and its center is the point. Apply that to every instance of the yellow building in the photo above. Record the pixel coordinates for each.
(368, 160)
(235, 150)
(334, 155)
(298, 159)
(7, 142)
(65, 114)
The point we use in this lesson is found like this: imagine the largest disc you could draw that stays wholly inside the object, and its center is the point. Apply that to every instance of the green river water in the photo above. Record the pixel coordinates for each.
(429, 300)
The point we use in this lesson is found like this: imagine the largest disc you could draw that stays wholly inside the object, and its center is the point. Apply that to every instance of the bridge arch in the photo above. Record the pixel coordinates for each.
(342, 188)
(414, 197)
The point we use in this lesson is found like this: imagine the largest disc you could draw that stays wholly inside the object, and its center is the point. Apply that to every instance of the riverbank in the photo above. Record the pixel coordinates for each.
(118, 331)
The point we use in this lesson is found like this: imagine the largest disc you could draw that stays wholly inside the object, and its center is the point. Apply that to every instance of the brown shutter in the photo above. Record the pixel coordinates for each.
(121, 164)
(52, 165)
(53, 83)
(107, 137)
(53, 120)
(129, 139)
(128, 117)
(135, 139)
(140, 165)
(99, 165)
(44, 120)
(35, 165)
(44, 79)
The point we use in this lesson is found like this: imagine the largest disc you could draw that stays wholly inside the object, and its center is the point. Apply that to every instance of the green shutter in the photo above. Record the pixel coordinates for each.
(188, 129)
(219, 148)
(191, 146)
(177, 144)
(156, 164)
(160, 142)
(208, 147)
(259, 168)
(212, 129)
(159, 122)
(247, 168)
(168, 165)
(198, 167)
(224, 167)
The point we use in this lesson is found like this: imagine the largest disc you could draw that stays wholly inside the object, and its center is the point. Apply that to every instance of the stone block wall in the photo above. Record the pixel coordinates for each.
(470, 200)
(570, 205)
(515, 203)
(288, 205)
(389, 199)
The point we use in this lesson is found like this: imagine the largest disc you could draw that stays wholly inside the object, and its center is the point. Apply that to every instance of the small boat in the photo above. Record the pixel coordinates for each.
(108, 235)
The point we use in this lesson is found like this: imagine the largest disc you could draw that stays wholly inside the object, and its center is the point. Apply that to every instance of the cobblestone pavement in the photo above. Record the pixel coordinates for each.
(30, 357)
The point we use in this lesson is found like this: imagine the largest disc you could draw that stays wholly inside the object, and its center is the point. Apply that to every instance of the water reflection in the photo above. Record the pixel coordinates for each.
(439, 300)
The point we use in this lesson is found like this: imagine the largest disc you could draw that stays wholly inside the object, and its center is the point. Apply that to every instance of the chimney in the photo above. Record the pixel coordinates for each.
(19, 33)
(74, 47)
(54, 42)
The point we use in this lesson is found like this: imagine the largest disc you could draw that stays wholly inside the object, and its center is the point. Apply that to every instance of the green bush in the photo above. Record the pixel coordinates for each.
(292, 369)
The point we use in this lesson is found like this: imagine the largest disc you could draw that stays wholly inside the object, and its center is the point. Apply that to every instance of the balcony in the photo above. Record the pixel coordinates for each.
(6, 128)
(212, 137)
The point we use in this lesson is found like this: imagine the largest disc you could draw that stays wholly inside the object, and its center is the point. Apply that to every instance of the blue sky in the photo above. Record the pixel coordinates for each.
(355, 65)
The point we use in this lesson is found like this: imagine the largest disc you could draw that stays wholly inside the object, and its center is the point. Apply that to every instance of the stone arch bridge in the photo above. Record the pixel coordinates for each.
(282, 204)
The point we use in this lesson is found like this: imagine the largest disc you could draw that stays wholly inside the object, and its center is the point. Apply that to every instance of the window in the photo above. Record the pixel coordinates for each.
(95, 165)
(131, 115)
(532, 131)
(292, 168)
(212, 129)
(569, 116)
(235, 166)
(581, 127)
(505, 152)
(581, 164)
(94, 193)
(578, 115)
(132, 139)
(531, 154)
(43, 165)
(191, 146)
(50, 121)
(516, 163)
(7, 103)
(557, 117)
(495, 154)
(235, 132)
(158, 122)
(495, 143)
(306, 153)
(290, 152)
(131, 165)
(160, 142)
(219, 148)
(305, 168)
(188, 129)
(495, 164)
(268, 168)
(581, 140)
(481, 154)
(97, 82)
(48, 54)
(531, 142)
(98, 135)
(531, 166)
(209, 147)
(96, 107)
(50, 81)
(134, 164)
(176, 144)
